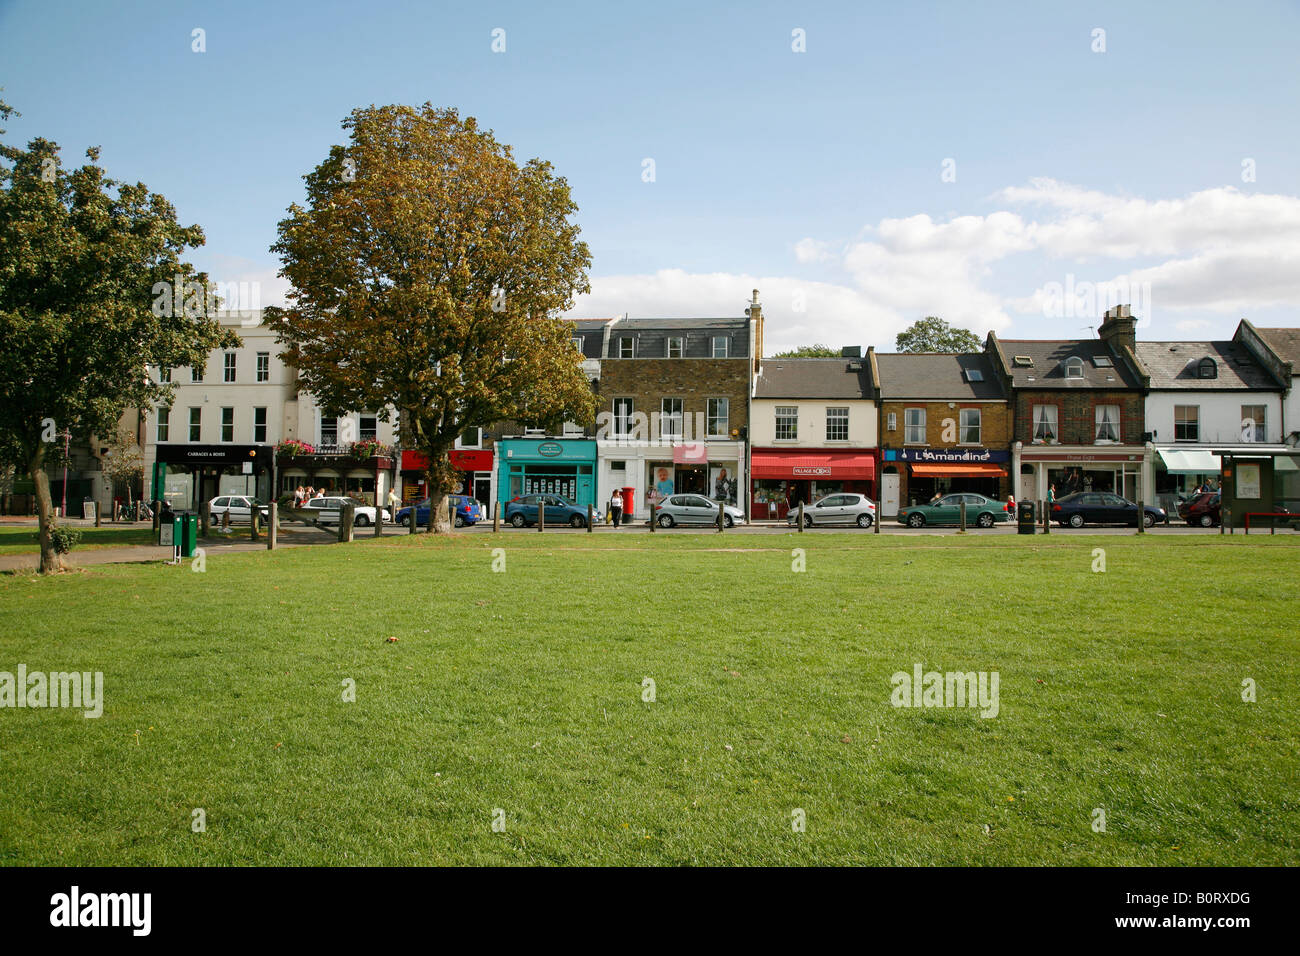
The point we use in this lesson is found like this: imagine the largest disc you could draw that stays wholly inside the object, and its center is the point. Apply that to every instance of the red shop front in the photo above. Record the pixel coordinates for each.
(782, 477)
(474, 465)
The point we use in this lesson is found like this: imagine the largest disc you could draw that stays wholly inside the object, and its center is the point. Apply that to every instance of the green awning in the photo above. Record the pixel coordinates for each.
(1285, 463)
(1189, 461)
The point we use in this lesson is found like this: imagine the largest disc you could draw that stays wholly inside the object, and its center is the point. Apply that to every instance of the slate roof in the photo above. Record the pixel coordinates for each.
(1175, 365)
(923, 375)
(1286, 343)
(1048, 369)
(814, 378)
(652, 336)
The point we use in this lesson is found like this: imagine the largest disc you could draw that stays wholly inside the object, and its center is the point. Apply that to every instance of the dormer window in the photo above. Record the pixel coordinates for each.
(1074, 367)
(625, 346)
(1208, 368)
(1022, 361)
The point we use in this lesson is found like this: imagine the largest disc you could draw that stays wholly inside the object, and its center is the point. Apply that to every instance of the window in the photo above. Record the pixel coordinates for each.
(471, 438)
(623, 417)
(720, 346)
(1207, 368)
(1102, 361)
(1045, 423)
(719, 422)
(787, 423)
(369, 427)
(676, 346)
(577, 342)
(974, 375)
(891, 422)
(1252, 422)
(264, 366)
(164, 423)
(164, 374)
(1022, 361)
(914, 426)
(227, 424)
(670, 418)
(626, 346)
(329, 431)
(196, 373)
(196, 422)
(1107, 423)
(1187, 423)
(259, 426)
(571, 430)
(1074, 367)
(970, 426)
(837, 424)
(228, 372)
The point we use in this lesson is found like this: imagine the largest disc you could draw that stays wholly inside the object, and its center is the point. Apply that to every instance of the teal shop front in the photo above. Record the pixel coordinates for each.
(547, 466)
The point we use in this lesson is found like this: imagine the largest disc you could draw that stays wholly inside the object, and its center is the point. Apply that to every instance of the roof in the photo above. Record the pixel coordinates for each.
(937, 375)
(639, 325)
(1286, 343)
(1175, 365)
(814, 378)
(1048, 358)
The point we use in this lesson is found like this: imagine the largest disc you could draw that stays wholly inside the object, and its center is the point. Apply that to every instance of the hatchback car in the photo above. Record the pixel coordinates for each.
(980, 511)
(1204, 509)
(1102, 507)
(837, 509)
(328, 511)
(522, 512)
(694, 509)
(467, 511)
(239, 507)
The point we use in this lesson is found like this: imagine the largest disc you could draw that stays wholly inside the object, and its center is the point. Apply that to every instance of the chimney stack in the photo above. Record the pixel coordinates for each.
(1118, 328)
(755, 313)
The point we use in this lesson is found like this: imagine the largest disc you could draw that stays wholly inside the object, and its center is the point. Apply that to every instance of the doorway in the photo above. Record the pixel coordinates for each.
(889, 493)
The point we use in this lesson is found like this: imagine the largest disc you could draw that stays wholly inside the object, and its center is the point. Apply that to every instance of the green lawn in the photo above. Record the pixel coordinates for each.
(522, 691)
(22, 539)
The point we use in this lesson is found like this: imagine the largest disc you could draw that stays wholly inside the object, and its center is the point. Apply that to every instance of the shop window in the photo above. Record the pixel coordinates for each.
(787, 423)
(264, 366)
(720, 343)
(837, 424)
(970, 426)
(227, 424)
(623, 417)
(1252, 423)
(676, 347)
(914, 426)
(719, 421)
(1045, 423)
(259, 426)
(1187, 423)
(228, 371)
(196, 423)
(1107, 417)
(164, 423)
(670, 418)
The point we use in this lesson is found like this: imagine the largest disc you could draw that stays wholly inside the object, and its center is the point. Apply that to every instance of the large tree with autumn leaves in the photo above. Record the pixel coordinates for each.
(428, 269)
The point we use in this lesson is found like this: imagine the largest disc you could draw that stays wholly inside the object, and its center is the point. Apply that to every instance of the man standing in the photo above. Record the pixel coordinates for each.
(616, 507)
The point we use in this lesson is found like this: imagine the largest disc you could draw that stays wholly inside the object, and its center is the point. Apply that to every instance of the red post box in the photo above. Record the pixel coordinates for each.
(629, 499)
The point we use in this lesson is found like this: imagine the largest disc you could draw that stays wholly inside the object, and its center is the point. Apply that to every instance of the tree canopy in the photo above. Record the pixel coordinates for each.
(428, 269)
(933, 334)
(809, 351)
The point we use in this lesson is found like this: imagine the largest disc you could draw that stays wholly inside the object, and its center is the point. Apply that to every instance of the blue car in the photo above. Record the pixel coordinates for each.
(522, 512)
(466, 511)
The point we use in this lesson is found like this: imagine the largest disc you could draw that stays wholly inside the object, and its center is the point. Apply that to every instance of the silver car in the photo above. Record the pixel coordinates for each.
(328, 511)
(837, 509)
(695, 509)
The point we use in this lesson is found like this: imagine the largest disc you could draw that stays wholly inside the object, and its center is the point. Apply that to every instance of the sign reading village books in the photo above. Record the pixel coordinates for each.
(951, 456)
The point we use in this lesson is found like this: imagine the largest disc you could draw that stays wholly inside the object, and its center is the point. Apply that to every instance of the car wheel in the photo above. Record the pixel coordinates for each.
(666, 521)
(576, 521)
(916, 520)
(1076, 521)
(460, 521)
(985, 520)
(807, 521)
(864, 521)
(1206, 521)
(517, 520)
(729, 521)
(1148, 520)
(361, 521)
(404, 521)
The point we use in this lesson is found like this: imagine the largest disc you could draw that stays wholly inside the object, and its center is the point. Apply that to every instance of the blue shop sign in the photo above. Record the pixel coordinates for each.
(948, 456)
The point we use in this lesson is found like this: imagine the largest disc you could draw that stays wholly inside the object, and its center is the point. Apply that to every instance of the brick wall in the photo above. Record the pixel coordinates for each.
(647, 381)
(995, 423)
(1076, 414)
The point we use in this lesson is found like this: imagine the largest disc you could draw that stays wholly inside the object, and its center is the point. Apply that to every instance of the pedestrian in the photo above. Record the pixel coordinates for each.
(616, 507)
(392, 498)
(1051, 494)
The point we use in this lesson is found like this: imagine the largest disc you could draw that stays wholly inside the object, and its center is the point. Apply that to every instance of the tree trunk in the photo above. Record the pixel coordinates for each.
(51, 560)
(438, 483)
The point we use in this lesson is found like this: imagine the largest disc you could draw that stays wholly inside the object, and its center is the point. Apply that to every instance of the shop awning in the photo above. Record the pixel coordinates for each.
(1189, 461)
(972, 470)
(803, 464)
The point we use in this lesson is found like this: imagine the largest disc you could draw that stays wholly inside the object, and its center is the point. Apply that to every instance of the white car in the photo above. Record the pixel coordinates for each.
(837, 509)
(240, 507)
(328, 510)
(695, 509)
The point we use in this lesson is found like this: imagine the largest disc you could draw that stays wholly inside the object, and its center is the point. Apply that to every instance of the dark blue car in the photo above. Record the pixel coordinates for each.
(522, 512)
(465, 510)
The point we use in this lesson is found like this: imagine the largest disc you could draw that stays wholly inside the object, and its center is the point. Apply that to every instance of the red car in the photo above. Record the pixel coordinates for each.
(1201, 509)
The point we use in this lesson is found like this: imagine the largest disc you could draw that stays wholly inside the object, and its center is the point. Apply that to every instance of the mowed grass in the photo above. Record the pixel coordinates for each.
(21, 539)
(522, 691)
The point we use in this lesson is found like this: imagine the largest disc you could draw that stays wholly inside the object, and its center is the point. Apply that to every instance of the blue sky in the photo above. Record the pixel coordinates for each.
(815, 176)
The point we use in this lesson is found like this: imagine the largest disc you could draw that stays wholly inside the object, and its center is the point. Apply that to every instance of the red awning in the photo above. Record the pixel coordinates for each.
(462, 459)
(804, 464)
(972, 470)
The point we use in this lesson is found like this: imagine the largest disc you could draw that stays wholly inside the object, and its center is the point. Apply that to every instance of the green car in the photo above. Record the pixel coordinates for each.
(980, 511)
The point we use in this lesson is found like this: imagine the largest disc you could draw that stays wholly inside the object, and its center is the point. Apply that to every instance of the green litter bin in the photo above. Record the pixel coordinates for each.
(189, 530)
(169, 531)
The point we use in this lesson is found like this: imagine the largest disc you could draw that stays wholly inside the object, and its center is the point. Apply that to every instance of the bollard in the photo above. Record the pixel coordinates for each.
(1044, 506)
(496, 519)
(875, 519)
(589, 519)
(801, 517)
(345, 522)
(654, 519)
(963, 516)
(1142, 518)
(205, 519)
(225, 520)
(541, 514)
(412, 526)
(272, 525)
(254, 517)
(379, 517)
(721, 520)
(157, 507)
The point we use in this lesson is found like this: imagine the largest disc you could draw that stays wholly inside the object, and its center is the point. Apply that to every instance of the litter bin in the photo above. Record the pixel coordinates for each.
(169, 530)
(189, 531)
(1025, 517)
(629, 499)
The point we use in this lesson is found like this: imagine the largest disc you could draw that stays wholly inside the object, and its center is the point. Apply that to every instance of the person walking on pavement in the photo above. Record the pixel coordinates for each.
(616, 507)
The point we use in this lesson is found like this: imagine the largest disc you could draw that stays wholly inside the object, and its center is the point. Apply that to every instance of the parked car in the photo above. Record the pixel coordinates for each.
(240, 508)
(1102, 507)
(837, 509)
(981, 512)
(695, 509)
(327, 511)
(1203, 509)
(522, 511)
(466, 510)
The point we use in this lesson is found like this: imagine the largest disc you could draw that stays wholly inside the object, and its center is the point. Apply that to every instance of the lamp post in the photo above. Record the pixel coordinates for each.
(67, 437)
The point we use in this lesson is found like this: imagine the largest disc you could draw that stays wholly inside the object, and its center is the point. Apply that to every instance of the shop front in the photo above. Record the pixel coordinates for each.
(473, 464)
(922, 473)
(1124, 470)
(781, 478)
(554, 466)
(655, 470)
(185, 476)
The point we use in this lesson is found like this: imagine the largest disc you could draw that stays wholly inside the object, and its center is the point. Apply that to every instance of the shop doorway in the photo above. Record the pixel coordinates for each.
(692, 479)
(1028, 483)
(889, 493)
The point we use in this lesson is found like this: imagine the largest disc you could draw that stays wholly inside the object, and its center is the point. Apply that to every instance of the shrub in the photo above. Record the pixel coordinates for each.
(62, 537)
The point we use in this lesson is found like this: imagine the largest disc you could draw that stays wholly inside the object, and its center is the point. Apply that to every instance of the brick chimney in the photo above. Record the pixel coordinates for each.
(755, 313)
(1119, 329)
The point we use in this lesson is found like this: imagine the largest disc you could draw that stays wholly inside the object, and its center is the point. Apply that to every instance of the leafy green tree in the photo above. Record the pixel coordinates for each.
(933, 334)
(428, 269)
(82, 261)
(809, 351)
